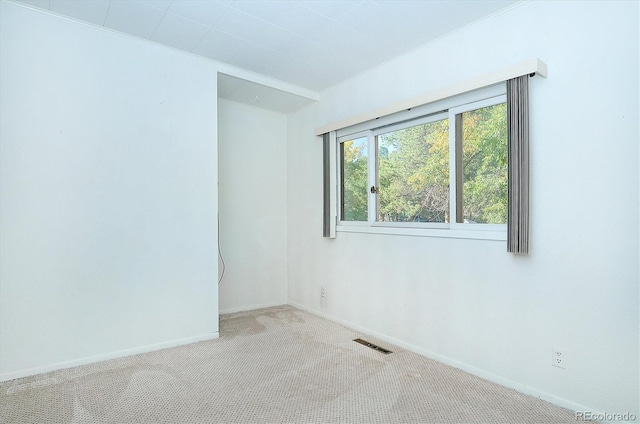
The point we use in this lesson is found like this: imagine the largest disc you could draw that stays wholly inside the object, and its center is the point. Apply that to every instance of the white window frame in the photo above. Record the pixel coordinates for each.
(339, 141)
(439, 110)
(374, 169)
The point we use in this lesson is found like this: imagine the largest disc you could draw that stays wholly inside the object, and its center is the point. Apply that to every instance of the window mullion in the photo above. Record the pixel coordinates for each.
(372, 177)
(453, 168)
(459, 154)
(340, 181)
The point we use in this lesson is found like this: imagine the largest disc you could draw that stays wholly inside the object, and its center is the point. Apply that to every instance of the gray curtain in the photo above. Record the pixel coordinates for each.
(518, 165)
(326, 217)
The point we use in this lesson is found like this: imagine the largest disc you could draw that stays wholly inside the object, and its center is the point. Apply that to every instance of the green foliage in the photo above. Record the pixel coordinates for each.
(485, 165)
(354, 180)
(413, 171)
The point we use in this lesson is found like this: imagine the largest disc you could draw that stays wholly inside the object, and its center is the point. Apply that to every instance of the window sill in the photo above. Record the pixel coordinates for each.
(477, 234)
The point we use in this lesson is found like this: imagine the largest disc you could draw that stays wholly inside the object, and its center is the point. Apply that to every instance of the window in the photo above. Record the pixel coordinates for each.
(481, 162)
(354, 168)
(428, 169)
(413, 172)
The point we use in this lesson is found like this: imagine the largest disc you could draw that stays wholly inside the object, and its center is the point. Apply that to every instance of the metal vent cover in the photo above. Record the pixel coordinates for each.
(372, 346)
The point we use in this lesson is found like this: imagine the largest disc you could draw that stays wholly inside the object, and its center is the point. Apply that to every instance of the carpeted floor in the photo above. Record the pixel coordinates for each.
(271, 365)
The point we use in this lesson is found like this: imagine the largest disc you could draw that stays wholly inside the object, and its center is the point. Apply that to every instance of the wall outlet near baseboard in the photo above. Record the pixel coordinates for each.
(323, 292)
(559, 358)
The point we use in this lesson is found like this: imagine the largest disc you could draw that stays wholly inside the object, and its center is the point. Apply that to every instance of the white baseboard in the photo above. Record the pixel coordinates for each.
(104, 357)
(250, 308)
(556, 400)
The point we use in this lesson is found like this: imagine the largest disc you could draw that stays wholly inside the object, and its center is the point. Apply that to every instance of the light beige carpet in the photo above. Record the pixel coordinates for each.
(271, 365)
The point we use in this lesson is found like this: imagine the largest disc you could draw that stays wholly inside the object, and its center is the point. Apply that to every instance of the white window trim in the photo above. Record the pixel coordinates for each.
(487, 96)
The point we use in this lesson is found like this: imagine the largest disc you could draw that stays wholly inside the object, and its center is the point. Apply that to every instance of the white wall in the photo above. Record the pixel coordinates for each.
(468, 302)
(109, 199)
(253, 212)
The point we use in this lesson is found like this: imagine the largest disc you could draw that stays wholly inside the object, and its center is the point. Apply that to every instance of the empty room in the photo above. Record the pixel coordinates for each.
(310, 211)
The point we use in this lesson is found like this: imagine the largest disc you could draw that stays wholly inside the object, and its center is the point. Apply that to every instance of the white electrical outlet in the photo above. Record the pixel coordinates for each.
(559, 358)
(323, 292)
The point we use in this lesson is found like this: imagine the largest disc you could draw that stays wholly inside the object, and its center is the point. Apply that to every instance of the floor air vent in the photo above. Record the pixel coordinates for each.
(372, 346)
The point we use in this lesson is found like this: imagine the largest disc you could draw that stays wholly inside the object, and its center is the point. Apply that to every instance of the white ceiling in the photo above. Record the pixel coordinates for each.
(311, 44)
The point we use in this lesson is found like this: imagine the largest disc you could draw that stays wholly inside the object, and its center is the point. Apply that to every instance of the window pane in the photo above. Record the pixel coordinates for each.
(353, 162)
(484, 165)
(413, 174)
